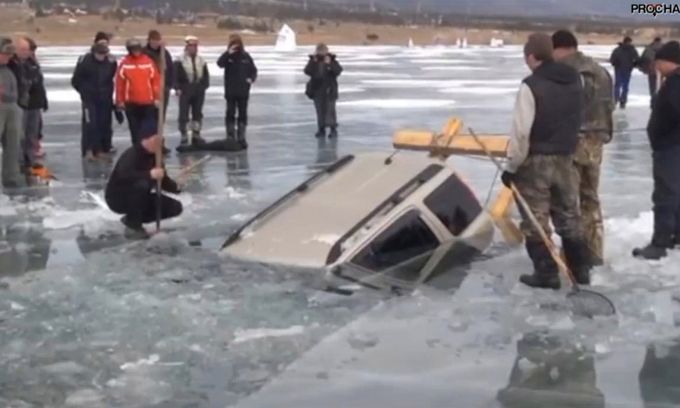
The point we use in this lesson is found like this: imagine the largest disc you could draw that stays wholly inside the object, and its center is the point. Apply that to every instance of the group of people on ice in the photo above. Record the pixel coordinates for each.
(562, 120)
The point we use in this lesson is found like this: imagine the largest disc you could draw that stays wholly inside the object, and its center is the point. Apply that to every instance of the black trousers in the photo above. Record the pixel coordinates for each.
(137, 115)
(666, 196)
(139, 205)
(325, 112)
(651, 80)
(191, 102)
(97, 130)
(234, 104)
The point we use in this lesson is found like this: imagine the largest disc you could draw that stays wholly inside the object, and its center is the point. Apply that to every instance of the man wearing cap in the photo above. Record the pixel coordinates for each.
(624, 58)
(10, 118)
(647, 67)
(240, 73)
(153, 50)
(129, 188)
(596, 130)
(192, 79)
(138, 88)
(101, 39)
(543, 139)
(663, 131)
(93, 80)
(323, 70)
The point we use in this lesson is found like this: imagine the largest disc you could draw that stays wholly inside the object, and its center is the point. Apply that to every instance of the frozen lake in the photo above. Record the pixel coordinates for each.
(84, 323)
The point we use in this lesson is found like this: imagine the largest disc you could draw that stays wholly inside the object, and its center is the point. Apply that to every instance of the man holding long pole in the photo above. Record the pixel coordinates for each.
(543, 140)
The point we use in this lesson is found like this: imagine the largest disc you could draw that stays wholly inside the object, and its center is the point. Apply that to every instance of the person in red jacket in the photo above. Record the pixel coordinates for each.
(138, 85)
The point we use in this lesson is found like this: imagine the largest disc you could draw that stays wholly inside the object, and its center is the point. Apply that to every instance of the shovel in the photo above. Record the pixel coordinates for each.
(585, 302)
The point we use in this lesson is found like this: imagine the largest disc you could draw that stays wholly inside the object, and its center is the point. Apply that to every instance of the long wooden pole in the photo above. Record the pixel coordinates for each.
(161, 125)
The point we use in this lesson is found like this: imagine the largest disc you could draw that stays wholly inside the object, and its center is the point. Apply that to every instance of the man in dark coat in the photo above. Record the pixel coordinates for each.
(663, 131)
(93, 80)
(647, 66)
(240, 73)
(192, 79)
(129, 189)
(324, 69)
(624, 58)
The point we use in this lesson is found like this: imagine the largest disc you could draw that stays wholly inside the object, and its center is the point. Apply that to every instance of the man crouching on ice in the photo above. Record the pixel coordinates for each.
(129, 189)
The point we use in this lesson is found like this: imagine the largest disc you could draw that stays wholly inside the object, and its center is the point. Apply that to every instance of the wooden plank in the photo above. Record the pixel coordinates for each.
(421, 140)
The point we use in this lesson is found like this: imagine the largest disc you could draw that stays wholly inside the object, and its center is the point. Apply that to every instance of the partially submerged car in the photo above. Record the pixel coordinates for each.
(378, 220)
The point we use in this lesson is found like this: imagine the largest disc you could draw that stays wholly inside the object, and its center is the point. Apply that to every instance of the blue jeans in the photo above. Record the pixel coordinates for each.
(666, 196)
(621, 84)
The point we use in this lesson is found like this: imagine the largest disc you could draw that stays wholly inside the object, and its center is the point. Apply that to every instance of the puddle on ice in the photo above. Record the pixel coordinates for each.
(398, 103)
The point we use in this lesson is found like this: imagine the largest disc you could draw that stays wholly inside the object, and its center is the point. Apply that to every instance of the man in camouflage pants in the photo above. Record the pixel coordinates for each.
(596, 130)
(544, 135)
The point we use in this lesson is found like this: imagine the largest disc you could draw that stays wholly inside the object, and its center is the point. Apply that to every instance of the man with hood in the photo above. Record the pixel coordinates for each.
(10, 118)
(129, 188)
(624, 58)
(543, 139)
(101, 39)
(33, 98)
(93, 80)
(323, 70)
(138, 88)
(240, 73)
(192, 79)
(647, 65)
(596, 130)
(663, 131)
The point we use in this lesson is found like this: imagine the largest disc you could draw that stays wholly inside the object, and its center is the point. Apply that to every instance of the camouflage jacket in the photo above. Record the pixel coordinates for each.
(598, 95)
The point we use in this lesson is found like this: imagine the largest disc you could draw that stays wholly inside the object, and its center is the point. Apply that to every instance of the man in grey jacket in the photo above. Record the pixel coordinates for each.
(10, 118)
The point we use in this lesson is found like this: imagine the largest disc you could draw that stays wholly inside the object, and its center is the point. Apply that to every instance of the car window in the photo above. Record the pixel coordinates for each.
(405, 239)
(454, 204)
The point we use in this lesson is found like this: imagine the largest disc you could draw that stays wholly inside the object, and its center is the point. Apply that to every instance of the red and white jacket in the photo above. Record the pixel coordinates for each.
(137, 81)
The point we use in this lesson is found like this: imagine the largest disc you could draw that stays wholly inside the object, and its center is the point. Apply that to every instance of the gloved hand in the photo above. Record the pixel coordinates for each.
(120, 118)
(507, 178)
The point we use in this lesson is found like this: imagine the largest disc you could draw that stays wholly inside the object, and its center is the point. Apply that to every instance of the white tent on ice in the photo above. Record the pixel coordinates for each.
(286, 40)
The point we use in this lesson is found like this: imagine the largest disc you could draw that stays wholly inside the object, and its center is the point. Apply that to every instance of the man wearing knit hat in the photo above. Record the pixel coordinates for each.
(192, 79)
(663, 131)
(10, 119)
(129, 189)
(596, 130)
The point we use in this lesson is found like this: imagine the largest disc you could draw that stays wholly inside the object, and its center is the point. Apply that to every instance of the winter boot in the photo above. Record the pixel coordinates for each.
(241, 135)
(231, 131)
(197, 140)
(579, 259)
(334, 132)
(184, 140)
(320, 133)
(133, 231)
(545, 274)
(651, 252)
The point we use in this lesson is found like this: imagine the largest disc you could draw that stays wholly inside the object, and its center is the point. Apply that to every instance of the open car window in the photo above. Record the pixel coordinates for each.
(407, 238)
(454, 205)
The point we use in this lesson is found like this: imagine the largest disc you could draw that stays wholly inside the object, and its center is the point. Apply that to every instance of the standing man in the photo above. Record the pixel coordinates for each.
(138, 88)
(596, 130)
(33, 98)
(663, 131)
(107, 132)
(93, 80)
(324, 69)
(543, 139)
(129, 189)
(192, 79)
(647, 66)
(153, 50)
(10, 118)
(240, 73)
(624, 58)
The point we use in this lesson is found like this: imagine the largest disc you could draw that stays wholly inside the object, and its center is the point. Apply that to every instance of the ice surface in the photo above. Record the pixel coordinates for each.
(90, 320)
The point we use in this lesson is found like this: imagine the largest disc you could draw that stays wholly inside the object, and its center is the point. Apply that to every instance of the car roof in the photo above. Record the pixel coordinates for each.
(303, 230)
